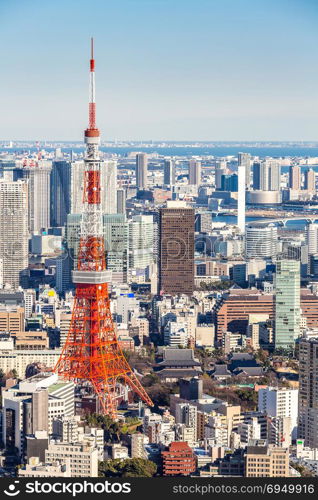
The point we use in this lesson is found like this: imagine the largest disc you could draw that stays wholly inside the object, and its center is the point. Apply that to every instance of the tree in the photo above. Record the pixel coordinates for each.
(302, 469)
(150, 379)
(215, 285)
(130, 467)
(139, 467)
(112, 428)
(248, 395)
(160, 394)
(262, 356)
(13, 373)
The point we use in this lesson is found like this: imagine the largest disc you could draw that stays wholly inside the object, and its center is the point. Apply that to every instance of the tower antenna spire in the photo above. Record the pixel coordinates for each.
(92, 104)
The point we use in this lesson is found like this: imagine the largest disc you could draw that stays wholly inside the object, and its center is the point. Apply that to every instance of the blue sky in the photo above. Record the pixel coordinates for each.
(166, 69)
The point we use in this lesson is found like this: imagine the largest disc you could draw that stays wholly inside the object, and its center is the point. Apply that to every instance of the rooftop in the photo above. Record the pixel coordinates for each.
(178, 357)
(56, 387)
(175, 373)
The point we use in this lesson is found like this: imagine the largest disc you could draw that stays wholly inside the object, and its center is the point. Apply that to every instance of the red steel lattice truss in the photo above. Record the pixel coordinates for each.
(91, 353)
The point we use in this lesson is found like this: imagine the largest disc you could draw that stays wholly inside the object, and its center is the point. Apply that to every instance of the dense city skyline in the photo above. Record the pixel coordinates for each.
(185, 70)
(159, 301)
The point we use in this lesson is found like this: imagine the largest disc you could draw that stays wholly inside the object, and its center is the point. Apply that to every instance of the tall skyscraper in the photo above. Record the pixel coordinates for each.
(169, 174)
(308, 392)
(176, 249)
(241, 198)
(141, 171)
(121, 201)
(141, 241)
(261, 241)
(115, 228)
(63, 273)
(220, 169)
(295, 177)
(60, 192)
(256, 175)
(13, 230)
(229, 182)
(312, 238)
(244, 159)
(273, 168)
(310, 180)
(195, 172)
(287, 303)
(38, 175)
(266, 175)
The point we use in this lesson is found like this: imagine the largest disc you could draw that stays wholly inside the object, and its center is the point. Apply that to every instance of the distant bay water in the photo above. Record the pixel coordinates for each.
(279, 151)
(221, 151)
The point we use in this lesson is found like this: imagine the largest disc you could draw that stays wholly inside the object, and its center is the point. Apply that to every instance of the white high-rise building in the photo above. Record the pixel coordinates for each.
(13, 230)
(249, 431)
(241, 198)
(282, 403)
(116, 246)
(65, 323)
(220, 169)
(33, 404)
(141, 241)
(176, 334)
(261, 241)
(138, 441)
(308, 392)
(312, 238)
(83, 458)
(108, 186)
(187, 414)
(29, 302)
(266, 175)
(1, 273)
(280, 431)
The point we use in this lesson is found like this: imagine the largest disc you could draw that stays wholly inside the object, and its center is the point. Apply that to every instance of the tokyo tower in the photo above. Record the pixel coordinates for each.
(91, 355)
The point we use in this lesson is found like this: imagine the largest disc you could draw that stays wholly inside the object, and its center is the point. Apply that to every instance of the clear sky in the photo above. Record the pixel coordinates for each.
(166, 69)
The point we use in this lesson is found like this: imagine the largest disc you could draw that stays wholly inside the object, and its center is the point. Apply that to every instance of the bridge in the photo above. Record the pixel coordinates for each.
(271, 216)
(276, 216)
(282, 220)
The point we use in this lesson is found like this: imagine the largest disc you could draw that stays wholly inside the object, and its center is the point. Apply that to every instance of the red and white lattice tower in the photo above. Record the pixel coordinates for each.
(91, 355)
